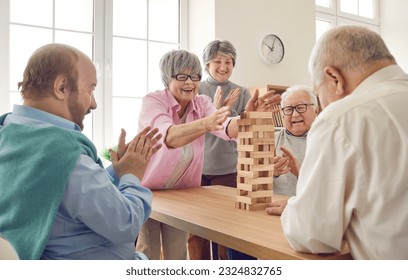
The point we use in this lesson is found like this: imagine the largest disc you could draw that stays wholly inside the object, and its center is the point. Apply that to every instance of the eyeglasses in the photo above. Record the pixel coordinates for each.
(184, 77)
(300, 108)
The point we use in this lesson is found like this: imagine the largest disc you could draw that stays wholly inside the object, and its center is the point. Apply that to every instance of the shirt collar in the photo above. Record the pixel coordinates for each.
(20, 111)
(386, 73)
(288, 133)
(176, 106)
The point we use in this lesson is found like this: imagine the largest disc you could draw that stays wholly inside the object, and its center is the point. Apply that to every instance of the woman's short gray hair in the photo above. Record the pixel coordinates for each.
(293, 89)
(178, 62)
(224, 47)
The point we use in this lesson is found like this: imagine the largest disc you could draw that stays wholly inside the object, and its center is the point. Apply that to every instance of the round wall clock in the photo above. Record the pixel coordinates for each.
(271, 49)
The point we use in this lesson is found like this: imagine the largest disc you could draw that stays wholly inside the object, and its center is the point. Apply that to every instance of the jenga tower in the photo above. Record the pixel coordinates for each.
(256, 149)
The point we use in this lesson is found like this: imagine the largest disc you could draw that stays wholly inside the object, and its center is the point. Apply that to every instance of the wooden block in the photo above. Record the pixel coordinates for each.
(240, 205)
(268, 154)
(263, 167)
(242, 160)
(267, 140)
(246, 148)
(261, 128)
(259, 180)
(248, 174)
(256, 207)
(254, 114)
(247, 207)
(256, 167)
(245, 134)
(246, 200)
(258, 194)
(245, 122)
(246, 187)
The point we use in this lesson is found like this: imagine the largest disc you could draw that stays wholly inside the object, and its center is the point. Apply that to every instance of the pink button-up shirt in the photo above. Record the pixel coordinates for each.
(159, 109)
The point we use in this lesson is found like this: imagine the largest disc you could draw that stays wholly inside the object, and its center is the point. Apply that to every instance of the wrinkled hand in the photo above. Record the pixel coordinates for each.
(276, 208)
(217, 98)
(232, 97)
(229, 100)
(136, 155)
(215, 120)
(294, 163)
(263, 103)
(280, 165)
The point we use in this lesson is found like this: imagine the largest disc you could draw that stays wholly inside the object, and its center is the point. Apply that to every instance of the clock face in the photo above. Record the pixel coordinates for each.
(272, 49)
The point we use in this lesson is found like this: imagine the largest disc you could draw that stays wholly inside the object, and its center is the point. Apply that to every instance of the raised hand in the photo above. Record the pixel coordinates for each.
(137, 154)
(280, 165)
(263, 103)
(218, 98)
(294, 163)
(232, 97)
(215, 120)
(229, 100)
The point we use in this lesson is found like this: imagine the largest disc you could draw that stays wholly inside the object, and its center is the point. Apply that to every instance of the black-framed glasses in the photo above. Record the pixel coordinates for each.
(184, 77)
(300, 108)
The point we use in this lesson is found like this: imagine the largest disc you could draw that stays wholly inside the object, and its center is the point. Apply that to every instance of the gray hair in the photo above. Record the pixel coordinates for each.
(347, 48)
(224, 47)
(177, 62)
(299, 88)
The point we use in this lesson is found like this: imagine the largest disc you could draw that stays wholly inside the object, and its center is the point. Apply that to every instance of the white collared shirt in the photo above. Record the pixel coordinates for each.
(353, 182)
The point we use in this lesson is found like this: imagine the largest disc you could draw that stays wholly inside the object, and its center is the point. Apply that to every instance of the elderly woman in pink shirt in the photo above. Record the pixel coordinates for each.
(183, 117)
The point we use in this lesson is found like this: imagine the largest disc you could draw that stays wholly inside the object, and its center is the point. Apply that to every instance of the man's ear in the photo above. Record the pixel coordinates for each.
(336, 79)
(59, 87)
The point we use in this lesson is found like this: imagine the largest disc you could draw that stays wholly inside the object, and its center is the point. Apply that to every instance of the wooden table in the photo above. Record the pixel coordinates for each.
(210, 212)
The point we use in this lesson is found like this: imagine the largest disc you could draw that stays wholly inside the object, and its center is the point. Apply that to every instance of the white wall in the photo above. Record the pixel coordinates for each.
(201, 22)
(243, 22)
(394, 29)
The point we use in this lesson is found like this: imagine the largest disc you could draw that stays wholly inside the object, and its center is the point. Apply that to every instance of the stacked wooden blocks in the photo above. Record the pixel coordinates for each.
(256, 149)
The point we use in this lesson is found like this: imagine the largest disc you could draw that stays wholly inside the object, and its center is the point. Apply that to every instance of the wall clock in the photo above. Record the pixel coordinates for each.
(271, 49)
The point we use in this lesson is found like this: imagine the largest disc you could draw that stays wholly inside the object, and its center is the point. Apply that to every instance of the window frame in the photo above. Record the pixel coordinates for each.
(338, 17)
(101, 133)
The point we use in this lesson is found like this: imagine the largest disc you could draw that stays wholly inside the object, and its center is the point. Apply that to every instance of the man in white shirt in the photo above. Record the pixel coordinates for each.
(353, 183)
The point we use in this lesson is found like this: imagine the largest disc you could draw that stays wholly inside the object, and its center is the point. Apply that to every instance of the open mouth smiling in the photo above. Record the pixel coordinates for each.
(188, 91)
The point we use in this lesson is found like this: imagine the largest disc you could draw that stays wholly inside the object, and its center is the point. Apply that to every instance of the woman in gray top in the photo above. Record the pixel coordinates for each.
(220, 157)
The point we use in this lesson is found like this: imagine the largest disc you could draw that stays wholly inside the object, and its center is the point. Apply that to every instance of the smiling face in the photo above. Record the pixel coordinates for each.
(299, 123)
(220, 67)
(183, 91)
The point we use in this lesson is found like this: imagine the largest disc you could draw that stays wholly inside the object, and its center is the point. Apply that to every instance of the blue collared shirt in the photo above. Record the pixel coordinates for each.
(96, 219)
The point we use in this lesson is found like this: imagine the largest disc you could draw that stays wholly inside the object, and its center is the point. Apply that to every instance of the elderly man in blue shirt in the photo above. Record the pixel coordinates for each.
(58, 202)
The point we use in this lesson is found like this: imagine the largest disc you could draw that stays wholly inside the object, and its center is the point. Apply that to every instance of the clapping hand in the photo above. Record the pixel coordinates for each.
(263, 103)
(294, 163)
(134, 157)
(229, 100)
(215, 120)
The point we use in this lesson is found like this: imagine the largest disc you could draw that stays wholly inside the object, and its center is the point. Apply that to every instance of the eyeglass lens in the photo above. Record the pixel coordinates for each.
(184, 77)
(301, 108)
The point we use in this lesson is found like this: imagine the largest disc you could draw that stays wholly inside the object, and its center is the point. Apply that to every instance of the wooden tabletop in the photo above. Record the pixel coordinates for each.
(210, 212)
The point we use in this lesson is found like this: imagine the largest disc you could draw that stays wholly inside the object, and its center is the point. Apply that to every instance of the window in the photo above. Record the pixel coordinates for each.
(331, 13)
(140, 33)
(125, 39)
